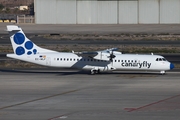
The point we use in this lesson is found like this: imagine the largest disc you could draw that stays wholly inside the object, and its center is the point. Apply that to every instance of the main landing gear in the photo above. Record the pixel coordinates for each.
(93, 72)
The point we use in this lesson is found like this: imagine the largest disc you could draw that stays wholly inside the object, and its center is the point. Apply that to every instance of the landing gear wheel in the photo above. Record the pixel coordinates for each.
(93, 72)
(98, 71)
(162, 72)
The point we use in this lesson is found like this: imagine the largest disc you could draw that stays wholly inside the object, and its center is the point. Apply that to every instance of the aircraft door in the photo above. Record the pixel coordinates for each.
(48, 61)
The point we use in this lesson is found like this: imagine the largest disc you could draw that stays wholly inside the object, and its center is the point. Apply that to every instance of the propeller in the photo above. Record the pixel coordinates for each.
(111, 56)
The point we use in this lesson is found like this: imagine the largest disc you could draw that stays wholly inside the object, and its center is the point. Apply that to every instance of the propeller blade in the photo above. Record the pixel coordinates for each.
(111, 56)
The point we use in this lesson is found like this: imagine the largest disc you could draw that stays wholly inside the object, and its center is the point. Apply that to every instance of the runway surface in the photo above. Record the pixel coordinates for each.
(72, 95)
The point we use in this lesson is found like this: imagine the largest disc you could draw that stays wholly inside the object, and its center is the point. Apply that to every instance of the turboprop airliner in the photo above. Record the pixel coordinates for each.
(96, 62)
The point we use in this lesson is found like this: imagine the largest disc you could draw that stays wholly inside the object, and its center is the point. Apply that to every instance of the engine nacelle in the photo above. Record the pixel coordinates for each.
(105, 55)
(102, 56)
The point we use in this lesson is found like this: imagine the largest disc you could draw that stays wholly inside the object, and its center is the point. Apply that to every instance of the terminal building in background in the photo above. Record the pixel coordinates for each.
(107, 11)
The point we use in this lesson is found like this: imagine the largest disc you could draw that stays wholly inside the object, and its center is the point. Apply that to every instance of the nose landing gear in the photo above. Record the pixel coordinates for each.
(162, 72)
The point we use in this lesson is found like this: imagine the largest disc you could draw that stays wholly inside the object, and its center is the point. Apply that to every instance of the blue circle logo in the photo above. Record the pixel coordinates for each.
(28, 45)
(20, 50)
(19, 38)
(29, 52)
(34, 51)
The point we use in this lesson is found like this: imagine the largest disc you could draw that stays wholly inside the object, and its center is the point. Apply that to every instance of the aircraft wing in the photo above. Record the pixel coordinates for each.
(106, 55)
(110, 50)
(86, 54)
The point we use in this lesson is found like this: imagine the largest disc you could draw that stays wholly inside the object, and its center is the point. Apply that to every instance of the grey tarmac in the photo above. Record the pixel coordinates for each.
(72, 95)
(43, 94)
(96, 28)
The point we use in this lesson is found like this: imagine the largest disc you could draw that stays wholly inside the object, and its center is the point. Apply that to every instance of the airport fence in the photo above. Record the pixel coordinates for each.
(25, 19)
(17, 19)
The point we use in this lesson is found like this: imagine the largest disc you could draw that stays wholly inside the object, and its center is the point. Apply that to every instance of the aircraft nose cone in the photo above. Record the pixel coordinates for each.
(171, 66)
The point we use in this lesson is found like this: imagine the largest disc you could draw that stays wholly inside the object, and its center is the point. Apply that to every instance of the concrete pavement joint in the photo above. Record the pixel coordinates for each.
(35, 100)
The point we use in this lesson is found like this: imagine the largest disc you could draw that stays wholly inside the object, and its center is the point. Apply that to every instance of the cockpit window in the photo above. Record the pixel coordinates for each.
(164, 59)
(161, 59)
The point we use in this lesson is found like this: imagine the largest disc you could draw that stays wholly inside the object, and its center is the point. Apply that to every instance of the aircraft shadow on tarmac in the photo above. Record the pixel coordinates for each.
(70, 72)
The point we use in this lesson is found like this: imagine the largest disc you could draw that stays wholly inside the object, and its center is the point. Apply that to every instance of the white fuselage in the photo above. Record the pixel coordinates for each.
(120, 62)
(106, 60)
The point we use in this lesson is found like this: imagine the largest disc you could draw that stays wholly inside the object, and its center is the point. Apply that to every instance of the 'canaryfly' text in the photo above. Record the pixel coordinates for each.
(136, 64)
